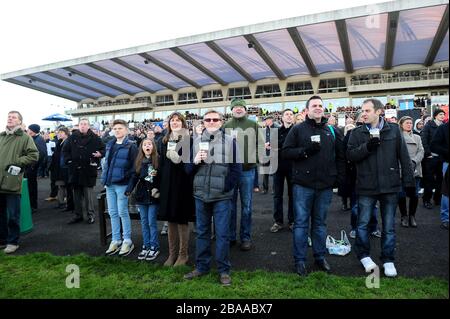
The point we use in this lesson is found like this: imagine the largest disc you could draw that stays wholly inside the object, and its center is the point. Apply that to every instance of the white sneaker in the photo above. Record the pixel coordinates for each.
(368, 264)
(10, 249)
(389, 270)
(144, 252)
(126, 249)
(152, 254)
(114, 248)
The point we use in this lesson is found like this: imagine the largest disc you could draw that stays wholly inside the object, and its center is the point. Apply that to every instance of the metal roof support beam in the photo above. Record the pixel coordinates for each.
(197, 65)
(218, 50)
(35, 79)
(120, 77)
(41, 89)
(263, 54)
(170, 70)
(438, 39)
(59, 77)
(391, 34)
(92, 78)
(295, 36)
(345, 46)
(144, 74)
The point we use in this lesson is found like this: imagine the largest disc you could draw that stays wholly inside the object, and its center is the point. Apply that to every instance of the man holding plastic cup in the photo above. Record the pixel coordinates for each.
(17, 150)
(217, 172)
(377, 147)
(317, 155)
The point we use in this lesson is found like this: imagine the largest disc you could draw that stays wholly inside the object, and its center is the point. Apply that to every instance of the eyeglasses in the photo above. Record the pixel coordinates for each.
(211, 120)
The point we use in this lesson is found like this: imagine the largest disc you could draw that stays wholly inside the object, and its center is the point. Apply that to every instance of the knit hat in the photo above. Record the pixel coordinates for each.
(436, 112)
(238, 102)
(35, 128)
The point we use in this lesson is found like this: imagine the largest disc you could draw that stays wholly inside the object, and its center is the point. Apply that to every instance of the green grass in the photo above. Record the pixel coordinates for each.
(42, 275)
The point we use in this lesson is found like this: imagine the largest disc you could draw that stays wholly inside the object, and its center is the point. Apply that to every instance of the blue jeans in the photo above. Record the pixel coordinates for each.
(149, 226)
(444, 199)
(388, 207)
(9, 218)
(118, 212)
(245, 187)
(310, 204)
(221, 212)
(373, 223)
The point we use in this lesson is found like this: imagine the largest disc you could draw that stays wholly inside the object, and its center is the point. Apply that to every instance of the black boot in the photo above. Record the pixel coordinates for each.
(403, 212)
(413, 202)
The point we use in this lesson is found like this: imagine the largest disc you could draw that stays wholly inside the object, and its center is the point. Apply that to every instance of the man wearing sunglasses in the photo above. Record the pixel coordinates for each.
(216, 172)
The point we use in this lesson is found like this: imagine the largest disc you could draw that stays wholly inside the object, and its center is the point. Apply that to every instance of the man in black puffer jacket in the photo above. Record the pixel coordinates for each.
(318, 162)
(216, 172)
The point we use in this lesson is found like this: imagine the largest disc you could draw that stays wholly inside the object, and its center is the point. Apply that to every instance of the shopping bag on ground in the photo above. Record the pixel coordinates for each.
(338, 247)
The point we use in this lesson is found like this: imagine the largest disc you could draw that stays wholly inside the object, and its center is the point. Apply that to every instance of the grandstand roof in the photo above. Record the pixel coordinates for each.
(374, 36)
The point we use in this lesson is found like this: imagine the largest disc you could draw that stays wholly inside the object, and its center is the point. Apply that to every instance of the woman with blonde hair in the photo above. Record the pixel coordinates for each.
(176, 199)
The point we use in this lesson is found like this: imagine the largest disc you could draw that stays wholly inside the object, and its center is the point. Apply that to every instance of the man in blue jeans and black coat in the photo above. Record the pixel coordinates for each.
(317, 155)
(382, 164)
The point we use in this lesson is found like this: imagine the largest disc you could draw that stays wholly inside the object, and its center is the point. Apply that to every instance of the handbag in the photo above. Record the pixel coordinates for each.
(338, 247)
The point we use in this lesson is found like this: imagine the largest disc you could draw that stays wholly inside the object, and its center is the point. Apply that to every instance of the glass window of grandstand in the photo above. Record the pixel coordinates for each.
(123, 116)
(87, 105)
(187, 98)
(140, 117)
(164, 100)
(142, 99)
(212, 96)
(299, 88)
(272, 90)
(241, 92)
(332, 85)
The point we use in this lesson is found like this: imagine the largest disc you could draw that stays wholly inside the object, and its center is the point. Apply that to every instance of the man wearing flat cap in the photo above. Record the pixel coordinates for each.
(245, 131)
(17, 150)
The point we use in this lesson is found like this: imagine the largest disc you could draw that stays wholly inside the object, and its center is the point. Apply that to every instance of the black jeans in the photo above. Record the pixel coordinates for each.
(432, 179)
(278, 185)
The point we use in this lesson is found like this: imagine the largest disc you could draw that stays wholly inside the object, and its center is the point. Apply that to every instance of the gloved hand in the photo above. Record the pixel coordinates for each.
(173, 156)
(155, 193)
(410, 191)
(313, 148)
(372, 144)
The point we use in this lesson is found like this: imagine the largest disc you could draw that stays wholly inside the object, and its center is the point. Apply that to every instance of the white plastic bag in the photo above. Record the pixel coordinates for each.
(338, 247)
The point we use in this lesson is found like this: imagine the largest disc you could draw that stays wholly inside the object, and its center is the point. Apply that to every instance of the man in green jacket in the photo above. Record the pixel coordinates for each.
(245, 131)
(17, 150)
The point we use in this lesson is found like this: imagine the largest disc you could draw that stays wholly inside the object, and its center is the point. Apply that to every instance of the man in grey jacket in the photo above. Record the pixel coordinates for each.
(216, 172)
(377, 148)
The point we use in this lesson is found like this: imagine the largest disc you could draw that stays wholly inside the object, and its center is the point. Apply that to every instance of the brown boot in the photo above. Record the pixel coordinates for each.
(172, 236)
(183, 256)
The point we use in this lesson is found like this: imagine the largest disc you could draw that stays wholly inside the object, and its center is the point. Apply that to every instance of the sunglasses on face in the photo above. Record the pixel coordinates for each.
(211, 120)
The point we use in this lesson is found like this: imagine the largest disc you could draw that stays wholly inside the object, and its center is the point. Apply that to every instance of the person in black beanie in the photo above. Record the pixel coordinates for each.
(432, 162)
(31, 171)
